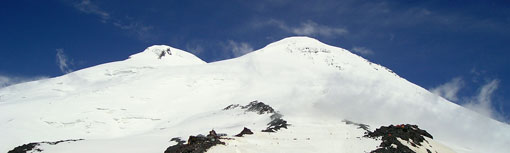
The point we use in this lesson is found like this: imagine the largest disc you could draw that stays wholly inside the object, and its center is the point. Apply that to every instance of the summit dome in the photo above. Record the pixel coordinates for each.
(166, 55)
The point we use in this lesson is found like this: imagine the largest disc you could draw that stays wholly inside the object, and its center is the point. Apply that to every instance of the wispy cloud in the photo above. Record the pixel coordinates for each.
(63, 61)
(308, 28)
(481, 102)
(141, 30)
(362, 50)
(11, 80)
(238, 48)
(88, 7)
(450, 89)
(369, 19)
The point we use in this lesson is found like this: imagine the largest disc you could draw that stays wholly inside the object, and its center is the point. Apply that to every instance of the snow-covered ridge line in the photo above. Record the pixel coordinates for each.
(162, 93)
(313, 47)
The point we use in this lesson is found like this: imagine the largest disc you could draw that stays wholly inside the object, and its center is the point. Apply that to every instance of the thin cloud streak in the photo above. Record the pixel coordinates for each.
(238, 48)
(63, 62)
(141, 30)
(362, 50)
(88, 7)
(307, 28)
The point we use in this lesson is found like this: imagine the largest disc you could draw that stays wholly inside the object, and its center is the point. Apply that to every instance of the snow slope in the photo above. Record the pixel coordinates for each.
(139, 104)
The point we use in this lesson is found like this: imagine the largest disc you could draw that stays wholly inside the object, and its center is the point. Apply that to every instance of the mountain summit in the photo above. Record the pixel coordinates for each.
(294, 95)
(167, 55)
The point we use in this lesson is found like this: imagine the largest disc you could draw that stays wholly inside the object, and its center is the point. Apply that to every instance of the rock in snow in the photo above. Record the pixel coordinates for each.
(309, 90)
(391, 135)
(245, 131)
(35, 146)
(196, 144)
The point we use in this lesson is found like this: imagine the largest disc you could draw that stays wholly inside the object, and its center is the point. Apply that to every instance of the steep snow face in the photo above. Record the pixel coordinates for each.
(139, 104)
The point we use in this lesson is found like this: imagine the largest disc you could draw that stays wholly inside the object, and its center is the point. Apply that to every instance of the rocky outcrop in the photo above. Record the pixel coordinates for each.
(33, 147)
(195, 144)
(389, 135)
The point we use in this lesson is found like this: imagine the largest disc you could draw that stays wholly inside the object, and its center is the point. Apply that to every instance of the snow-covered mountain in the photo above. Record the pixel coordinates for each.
(326, 94)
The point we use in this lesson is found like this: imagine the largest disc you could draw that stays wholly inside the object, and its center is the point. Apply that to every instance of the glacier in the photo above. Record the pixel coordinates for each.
(139, 104)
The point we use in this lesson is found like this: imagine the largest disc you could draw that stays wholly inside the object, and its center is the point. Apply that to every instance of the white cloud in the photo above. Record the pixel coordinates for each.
(11, 80)
(4, 81)
(480, 103)
(362, 50)
(309, 28)
(238, 48)
(450, 89)
(63, 61)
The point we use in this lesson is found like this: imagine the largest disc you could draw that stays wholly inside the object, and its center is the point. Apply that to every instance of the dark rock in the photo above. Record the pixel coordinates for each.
(178, 140)
(245, 131)
(161, 54)
(24, 148)
(196, 144)
(254, 106)
(360, 126)
(57, 142)
(232, 106)
(258, 107)
(33, 146)
(389, 134)
(276, 123)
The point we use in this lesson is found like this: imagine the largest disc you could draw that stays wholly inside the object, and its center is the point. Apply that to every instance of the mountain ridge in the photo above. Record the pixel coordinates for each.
(142, 98)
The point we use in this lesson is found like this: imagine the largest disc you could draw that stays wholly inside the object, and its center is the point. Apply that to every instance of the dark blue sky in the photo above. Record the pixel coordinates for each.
(459, 48)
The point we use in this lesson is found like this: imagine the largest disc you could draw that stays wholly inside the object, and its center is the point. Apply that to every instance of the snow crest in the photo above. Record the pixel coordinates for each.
(166, 55)
(139, 104)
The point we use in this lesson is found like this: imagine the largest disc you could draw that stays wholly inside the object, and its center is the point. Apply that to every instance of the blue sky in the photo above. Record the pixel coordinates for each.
(458, 49)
